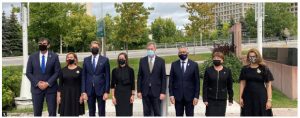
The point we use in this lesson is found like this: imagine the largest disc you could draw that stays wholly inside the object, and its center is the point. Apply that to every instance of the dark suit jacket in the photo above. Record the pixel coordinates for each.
(184, 86)
(99, 79)
(157, 78)
(34, 72)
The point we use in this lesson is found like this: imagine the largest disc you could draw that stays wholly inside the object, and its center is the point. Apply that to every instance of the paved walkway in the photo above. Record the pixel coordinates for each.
(233, 110)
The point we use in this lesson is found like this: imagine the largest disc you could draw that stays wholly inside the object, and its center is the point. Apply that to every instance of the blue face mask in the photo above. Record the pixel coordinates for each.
(150, 53)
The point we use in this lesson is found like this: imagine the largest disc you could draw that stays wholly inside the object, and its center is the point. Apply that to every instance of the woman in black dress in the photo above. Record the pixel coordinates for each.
(255, 87)
(216, 85)
(69, 96)
(123, 86)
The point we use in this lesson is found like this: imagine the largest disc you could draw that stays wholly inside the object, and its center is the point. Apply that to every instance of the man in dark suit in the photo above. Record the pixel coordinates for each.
(42, 70)
(184, 84)
(95, 80)
(151, 83)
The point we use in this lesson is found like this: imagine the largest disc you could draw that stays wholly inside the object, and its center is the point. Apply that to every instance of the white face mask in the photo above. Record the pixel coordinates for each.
(252, 59)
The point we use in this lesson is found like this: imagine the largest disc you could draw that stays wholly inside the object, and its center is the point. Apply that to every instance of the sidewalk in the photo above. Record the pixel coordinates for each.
(233, 110)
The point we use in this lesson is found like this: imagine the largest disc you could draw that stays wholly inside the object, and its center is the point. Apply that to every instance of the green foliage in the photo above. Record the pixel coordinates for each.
(250, 21)
(81, 32)
(214, 35)
(196, 13)
(11, 31)
(222, 29)
(52, 20)
(163, 30)
(110, 31)
(225, 31)
(219, 27)
(132, 27)
(277, 18)
(231, 61)
(11, 81)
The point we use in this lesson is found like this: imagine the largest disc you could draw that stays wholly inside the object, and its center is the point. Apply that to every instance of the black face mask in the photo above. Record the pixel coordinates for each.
(183, 56)
(95, 51)
(121, 61)
(217, 62)
(42, 47)
(71, 61)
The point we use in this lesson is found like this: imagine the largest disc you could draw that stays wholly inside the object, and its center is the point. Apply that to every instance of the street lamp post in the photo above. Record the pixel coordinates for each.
(259, 17)
(25, 99)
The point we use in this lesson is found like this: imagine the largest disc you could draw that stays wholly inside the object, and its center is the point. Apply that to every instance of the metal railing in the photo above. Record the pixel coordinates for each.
(221, 41)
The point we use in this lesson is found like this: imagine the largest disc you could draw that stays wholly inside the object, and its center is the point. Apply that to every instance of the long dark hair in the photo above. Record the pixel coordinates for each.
(126, 61)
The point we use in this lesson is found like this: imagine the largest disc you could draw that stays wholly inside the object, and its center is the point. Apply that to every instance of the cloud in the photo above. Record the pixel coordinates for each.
(7, 7)
(169, 10)
(108, 8)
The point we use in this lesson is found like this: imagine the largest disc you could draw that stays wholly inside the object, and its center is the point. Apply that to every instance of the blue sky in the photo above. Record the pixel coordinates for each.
(164, 10)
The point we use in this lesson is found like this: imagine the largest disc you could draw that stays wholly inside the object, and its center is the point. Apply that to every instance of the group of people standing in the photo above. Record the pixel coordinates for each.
(93, 82)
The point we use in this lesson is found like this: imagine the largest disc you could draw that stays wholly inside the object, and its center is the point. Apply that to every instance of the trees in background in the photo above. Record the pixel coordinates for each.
(11, 35)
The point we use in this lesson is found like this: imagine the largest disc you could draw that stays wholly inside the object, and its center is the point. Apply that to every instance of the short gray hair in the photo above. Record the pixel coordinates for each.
(183, 46)
(151, 43)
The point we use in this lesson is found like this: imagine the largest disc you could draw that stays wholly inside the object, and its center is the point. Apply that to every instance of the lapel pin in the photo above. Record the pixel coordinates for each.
(258, 71)
(77, 71)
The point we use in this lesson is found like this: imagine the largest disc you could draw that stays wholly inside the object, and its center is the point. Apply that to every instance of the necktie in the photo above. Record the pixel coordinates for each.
(151, 65)
(94, 63)
(43, 64)
(182, 67)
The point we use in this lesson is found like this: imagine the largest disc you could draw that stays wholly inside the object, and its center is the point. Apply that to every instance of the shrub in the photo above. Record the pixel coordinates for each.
(230, 61)
(11, 82)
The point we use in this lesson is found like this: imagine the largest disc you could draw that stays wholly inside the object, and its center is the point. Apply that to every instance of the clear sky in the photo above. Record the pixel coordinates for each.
(164, 10)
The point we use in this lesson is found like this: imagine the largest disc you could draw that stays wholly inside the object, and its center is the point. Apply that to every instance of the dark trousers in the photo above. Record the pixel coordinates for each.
(38, 102)
(151, 104)
(183, 105)
(92, 104)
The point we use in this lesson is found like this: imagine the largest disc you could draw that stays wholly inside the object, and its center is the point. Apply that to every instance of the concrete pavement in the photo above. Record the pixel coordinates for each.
(233, 110)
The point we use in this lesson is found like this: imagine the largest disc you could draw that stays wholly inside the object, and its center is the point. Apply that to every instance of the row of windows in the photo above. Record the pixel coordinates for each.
(231, 11)
(294, 4)
(294, 9)
(229, 17)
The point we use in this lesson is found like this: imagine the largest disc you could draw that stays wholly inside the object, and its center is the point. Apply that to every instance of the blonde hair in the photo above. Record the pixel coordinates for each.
(75, 57)
(259, 58)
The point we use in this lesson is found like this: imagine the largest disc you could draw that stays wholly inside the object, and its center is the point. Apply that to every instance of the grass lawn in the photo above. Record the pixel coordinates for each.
(279, 99)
